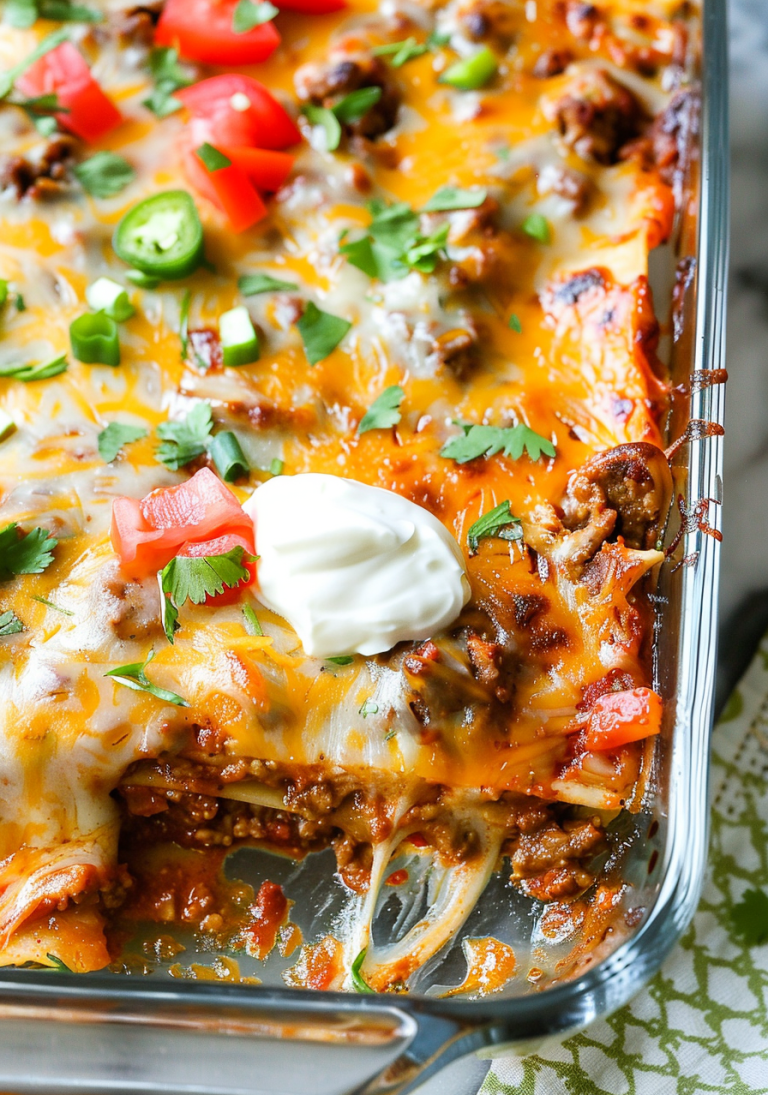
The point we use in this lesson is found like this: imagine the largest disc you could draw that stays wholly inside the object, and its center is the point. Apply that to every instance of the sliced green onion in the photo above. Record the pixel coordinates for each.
(473, 72)
(537, 227)
(239, 341)
(3, 291)
(7, 425)
(276, 466)
(108, 296)
(95, 340)
(229, 458)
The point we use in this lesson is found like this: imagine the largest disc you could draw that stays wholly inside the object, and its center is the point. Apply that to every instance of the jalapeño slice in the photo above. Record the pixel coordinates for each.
(162, 236)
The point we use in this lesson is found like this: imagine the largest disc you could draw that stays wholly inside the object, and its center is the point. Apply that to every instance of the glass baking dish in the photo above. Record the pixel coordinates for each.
(117, 1033)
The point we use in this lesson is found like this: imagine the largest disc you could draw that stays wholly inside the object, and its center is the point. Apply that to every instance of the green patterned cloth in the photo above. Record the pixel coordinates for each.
(701, 1025)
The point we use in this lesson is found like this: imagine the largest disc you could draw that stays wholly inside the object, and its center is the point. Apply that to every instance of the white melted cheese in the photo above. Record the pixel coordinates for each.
(353, 568)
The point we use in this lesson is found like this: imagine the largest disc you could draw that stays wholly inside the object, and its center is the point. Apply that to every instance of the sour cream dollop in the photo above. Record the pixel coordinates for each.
(353, 568)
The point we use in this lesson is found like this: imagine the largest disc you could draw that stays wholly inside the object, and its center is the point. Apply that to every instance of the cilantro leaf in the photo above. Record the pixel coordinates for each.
(401, 52)
(133, 676)
(186, 439)
(348, 110)
(537, 227)
(169, 76)
(393, 225)
(479, 441)
(248, 15)
(43, 370)
(320, 332)
(749, 917)
(395, 244)
(322, 116)
(359, 982)
(212, 158)
(104, 174)
(374, 259)
(29, 554)
(384, 411)
(341, 659)
(10, 624)
(497, 522)
(194, 579)
(23, 13)
(354, 106)
(453, 197)
(250, 285)
(426, 250)
(114, 436)
(515, 324)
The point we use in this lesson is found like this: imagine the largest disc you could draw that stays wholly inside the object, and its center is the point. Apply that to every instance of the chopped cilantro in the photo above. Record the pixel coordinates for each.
(322, 116)
(248, 15)
(341, 659)
(515, 324)
(57, 965)
(189, 579)
(133, 676)
(104, 174)
(29, 554)
(114, 436)
(384, 411)
(453, 197)
(394, 243)
(43, 370)
(537, 227)
(10, 624)
(250, 285)
(479, 441)
(320, 332)
(169, 76)
(348, 110)
(212, 158)
(23, 13)
(497, 522)
(749, 917)
(186, 439)
(358, 980)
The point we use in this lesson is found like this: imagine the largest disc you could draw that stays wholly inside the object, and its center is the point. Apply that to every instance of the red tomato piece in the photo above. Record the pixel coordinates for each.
(202, 31)
(220, 546)
(240, 111)
(311, 7)
(266, 168)
(229, 189)
(618, 718)
(147, 534)
(64, 72)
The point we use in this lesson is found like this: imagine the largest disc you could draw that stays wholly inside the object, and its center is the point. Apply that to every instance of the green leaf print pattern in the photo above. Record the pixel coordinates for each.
(701, 1025)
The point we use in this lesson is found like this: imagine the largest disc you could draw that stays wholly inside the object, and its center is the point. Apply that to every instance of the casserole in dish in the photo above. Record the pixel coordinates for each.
(464, 321)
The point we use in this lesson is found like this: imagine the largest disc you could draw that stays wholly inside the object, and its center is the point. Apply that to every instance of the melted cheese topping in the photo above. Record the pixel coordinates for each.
(580, 371)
